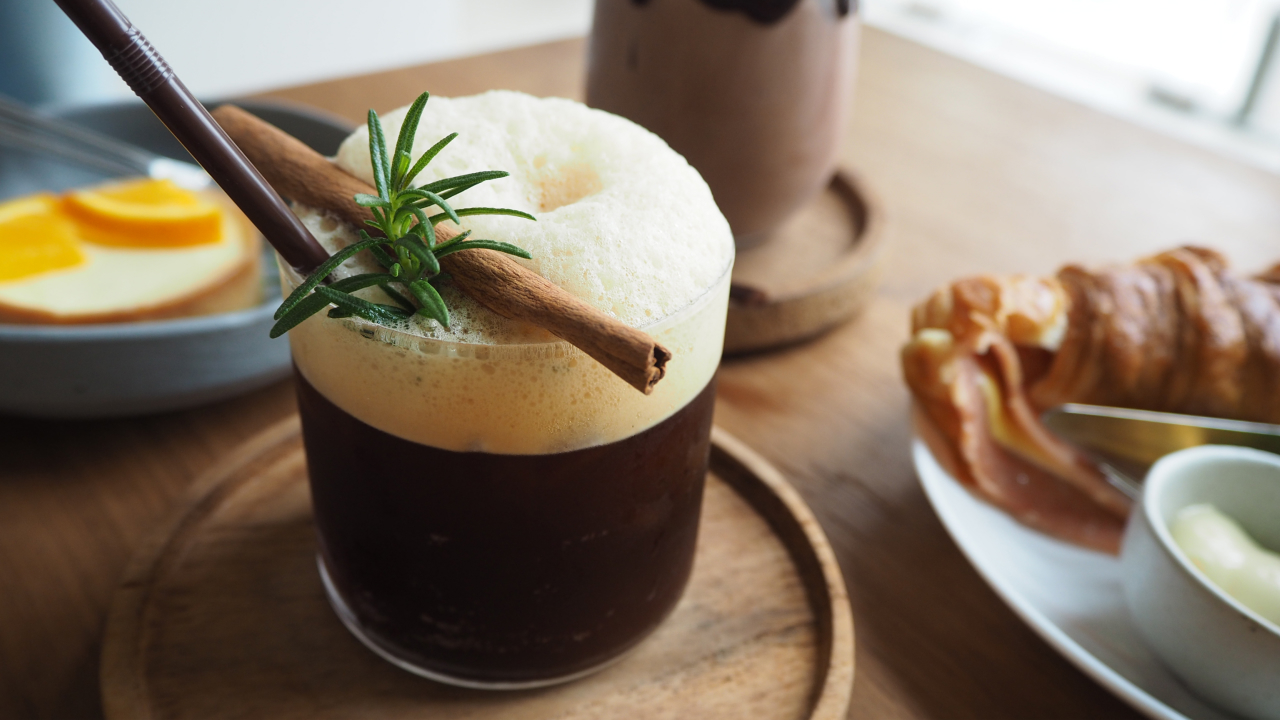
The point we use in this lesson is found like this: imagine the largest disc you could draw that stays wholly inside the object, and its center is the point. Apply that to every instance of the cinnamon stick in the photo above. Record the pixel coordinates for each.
(491, 278)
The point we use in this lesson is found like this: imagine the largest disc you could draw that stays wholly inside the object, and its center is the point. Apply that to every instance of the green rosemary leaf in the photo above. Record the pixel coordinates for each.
(460, 189)
(410, 210)
(404, 141)
(414, 194)
(470, 179)
(432, 304)
(400, 223)
(501, 211)
(485, 211)
(427, 157)
(360, 282)
(378, 156)
(315, 302)
(367, 200)
(408, 246)
(465, 186)
(451, 242)
(400, 300)
(424, 254)
(424, 229)
(403, 160)
(372, 312)
(425, 199)
(305, 308)
(322, 272)
(498, 245)
(402, 212)
(431, 198)
(382, 256)
(429, 232)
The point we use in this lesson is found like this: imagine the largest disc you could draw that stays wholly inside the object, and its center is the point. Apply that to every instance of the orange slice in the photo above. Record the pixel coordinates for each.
(36, 238)
(144, 214)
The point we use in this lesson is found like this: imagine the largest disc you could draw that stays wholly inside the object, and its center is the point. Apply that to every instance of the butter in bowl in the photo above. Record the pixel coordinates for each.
(1199, 578)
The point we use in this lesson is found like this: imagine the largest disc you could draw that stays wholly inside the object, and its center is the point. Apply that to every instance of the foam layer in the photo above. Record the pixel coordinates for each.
(469, 321)
(623, 223)
(513, 399)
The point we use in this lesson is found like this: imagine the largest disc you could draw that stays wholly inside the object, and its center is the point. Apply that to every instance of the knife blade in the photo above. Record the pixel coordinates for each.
(1144, 436)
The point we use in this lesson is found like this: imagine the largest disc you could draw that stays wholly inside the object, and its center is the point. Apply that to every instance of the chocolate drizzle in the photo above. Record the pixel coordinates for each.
(767, 12)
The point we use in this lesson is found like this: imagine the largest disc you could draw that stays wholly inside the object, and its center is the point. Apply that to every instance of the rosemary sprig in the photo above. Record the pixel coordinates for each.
(406, 246)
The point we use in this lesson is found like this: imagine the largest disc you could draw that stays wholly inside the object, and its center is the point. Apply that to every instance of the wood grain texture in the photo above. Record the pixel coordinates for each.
(819, 269)
(222, 614)
(978, 172)
(76, 499)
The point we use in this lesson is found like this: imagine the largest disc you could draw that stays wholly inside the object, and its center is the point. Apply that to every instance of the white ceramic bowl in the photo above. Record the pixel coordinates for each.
(117, 369)
(1225, 652)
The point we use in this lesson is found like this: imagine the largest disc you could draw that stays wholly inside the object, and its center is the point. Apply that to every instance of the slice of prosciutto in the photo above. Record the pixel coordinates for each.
(1176, 332)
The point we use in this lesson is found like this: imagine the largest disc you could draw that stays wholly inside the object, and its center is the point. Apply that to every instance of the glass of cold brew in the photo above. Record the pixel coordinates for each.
(494, 508)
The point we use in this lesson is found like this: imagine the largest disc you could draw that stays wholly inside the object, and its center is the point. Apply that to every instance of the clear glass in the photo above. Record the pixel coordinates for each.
(775, 77)
(504, 516)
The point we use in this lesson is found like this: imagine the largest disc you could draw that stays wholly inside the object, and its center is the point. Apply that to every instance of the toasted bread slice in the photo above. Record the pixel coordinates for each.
(122, 284)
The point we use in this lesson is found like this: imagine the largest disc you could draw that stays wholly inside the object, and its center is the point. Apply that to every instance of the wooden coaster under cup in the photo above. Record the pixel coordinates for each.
(814, 272)
(222, 614)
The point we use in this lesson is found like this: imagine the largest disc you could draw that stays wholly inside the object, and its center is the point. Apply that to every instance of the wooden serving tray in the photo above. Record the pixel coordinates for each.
(222, 614)
(814, 272)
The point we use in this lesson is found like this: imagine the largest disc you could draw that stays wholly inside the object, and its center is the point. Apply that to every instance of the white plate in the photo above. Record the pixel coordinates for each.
(1070, 596)
(118, 369)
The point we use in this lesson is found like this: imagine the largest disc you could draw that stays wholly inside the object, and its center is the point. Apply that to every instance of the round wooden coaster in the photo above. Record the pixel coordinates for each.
(222, 614)
(814, 272)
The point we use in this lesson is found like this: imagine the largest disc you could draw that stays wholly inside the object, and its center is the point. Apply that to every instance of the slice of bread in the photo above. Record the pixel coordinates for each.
(122, 284)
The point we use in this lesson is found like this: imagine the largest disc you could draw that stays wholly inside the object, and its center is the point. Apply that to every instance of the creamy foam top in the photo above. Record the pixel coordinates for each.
(623, 223)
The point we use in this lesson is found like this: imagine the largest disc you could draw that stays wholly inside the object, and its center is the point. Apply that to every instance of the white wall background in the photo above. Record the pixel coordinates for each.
(1179, 66)
(1182, 67)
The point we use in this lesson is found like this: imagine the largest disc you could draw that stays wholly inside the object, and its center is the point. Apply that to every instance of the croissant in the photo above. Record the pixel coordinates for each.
(1176, 332)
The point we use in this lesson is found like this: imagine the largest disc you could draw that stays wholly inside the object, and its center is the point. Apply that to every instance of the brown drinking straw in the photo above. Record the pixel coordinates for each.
(149, 76)
(496, 281)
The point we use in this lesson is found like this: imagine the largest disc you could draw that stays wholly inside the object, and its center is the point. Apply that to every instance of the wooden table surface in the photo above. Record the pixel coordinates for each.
(978, 174)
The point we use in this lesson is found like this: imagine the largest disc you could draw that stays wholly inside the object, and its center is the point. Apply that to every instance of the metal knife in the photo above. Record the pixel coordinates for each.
(1132, 440)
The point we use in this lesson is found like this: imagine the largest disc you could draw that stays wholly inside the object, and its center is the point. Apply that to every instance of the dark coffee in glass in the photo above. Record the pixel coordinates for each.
(494, 507)
(505, 568)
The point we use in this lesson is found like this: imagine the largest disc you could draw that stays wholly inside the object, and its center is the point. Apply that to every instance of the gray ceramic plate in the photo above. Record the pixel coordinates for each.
(145, 367)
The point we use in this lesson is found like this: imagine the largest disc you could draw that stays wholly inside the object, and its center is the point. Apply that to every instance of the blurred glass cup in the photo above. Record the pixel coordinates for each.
(754, 93)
